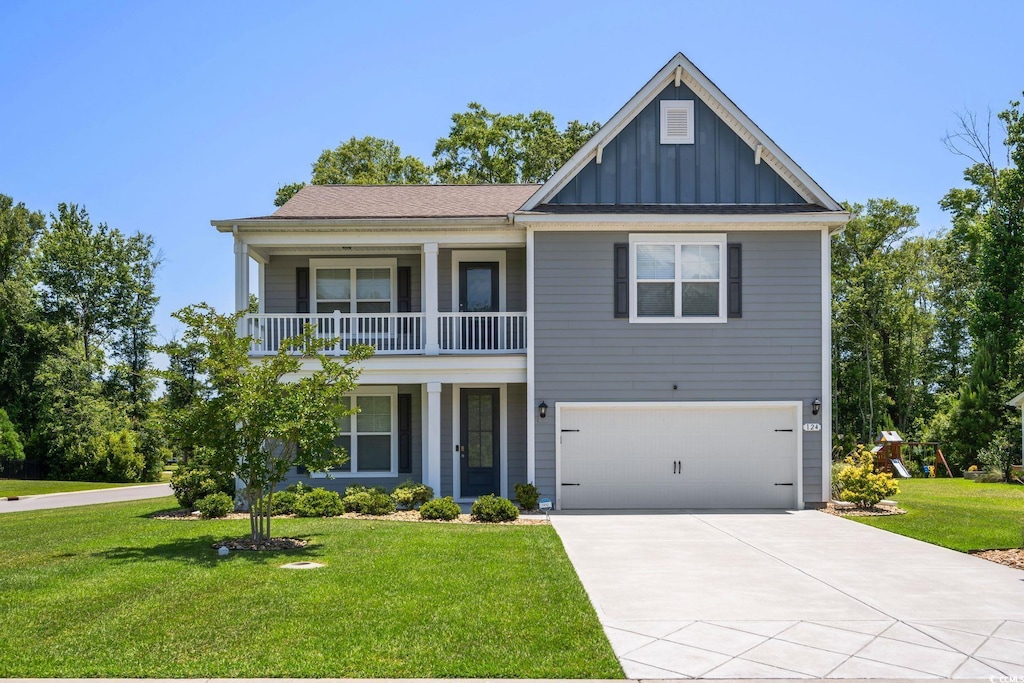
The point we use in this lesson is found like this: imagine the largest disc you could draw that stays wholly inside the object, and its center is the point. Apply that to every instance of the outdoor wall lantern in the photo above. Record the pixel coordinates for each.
(815, 406)
(543, 407)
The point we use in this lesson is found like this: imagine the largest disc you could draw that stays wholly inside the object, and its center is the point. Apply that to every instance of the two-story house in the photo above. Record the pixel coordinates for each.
(648, 329)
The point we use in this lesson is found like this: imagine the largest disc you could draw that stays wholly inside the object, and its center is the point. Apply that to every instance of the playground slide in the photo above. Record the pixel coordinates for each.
(901, 469)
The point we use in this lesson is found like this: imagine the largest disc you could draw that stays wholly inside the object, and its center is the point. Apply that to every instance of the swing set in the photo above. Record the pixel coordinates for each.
(888, 453)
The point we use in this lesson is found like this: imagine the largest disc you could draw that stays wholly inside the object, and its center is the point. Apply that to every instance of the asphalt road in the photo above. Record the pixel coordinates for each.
(67, 500)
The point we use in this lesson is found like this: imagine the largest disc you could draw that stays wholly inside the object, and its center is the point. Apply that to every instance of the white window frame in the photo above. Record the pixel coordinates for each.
(353, 457)
(666, 138)
(678, 240)
(352, 264)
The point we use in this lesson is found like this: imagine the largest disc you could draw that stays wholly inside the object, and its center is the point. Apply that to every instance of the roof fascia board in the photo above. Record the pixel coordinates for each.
(440, 223)
(816, 220)
(712, 96)
(1017, 401)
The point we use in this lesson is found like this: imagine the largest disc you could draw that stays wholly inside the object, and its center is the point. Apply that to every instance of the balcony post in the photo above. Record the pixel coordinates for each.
(241, 281)
(432, 465)
(430, 298)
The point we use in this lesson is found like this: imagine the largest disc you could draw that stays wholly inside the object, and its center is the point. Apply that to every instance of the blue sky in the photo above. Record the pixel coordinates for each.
(159, 116)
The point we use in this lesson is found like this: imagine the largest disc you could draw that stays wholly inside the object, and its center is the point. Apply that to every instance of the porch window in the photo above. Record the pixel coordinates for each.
(354, 285)
(678, 278)
(369, 436)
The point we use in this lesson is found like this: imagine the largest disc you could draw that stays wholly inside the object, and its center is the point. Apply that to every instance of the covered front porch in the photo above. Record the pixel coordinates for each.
(462, 439)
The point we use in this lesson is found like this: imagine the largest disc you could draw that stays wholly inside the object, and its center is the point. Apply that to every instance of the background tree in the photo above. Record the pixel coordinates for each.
(362, 161)
(882, 322)
(22, 342)
(258, 425)
(993, 207)
(489, 147)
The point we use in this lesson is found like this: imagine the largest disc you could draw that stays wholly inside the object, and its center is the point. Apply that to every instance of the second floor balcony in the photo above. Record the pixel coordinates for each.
(393, 333)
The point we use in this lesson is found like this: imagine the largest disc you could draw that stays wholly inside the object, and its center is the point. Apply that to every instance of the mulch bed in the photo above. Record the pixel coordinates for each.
(272, 544)
(1014, 557)
(400, 516)
(876, 511)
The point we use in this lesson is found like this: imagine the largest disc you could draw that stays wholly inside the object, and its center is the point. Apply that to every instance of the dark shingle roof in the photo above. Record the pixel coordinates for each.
(405, 201)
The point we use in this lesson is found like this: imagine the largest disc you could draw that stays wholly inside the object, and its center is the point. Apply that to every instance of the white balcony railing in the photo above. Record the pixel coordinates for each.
(482, 332)
(387, 332)
(392, 333)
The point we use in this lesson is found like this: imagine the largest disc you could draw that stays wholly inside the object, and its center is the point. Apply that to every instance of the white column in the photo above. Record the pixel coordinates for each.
(262, 266)
(531, 389)
(432, 466)
(241, 275)
(430, 297)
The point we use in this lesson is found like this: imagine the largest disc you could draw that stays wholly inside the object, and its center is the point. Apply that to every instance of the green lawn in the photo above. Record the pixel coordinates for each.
(106, 591)
(958, 514)
(20, 487)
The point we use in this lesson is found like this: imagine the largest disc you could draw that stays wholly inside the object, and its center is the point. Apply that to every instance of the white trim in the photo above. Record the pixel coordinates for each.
(470, 368)
(719, 240)
(502, 439)
(669, 105)
(430, 295)
(436, 224)
(531, 360)
(1017, 401)
(262, 285)
(826, 366)
(459, 256)
(288, 236)
(391, 392)
(796, 406)
(721, 105)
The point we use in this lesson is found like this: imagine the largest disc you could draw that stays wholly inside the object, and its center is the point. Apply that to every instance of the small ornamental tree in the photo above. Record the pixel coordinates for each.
(858, 483)
(263, 418)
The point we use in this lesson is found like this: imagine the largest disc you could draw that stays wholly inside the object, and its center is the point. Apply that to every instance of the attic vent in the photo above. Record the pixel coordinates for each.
(677, 122)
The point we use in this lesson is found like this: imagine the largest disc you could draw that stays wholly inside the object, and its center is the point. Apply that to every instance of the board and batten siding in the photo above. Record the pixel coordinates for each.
(583, 353)
(718, 168)
(279, 279)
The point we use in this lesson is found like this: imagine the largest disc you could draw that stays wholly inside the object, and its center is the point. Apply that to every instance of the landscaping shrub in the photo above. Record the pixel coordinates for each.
(914, 469)
(441, 508)
(1000, 455)
(117, 458)
(527, 496)
(319, 503)
(192, 483)
(369, 503)
(215, 505)
(410, 494)
(491, 508)
(282, 503)
(858, 483)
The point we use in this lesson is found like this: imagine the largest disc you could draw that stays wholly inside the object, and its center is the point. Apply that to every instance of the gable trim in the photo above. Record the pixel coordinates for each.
(679, 68)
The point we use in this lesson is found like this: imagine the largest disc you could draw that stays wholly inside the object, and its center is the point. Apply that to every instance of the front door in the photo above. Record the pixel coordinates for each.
(478, 450)
(478, 301)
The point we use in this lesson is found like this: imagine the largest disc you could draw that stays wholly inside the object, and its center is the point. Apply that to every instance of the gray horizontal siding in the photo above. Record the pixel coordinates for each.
(583, 353)
(637, 169)
(516, 437)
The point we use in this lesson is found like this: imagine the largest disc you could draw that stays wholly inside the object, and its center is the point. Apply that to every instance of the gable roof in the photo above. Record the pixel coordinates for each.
(682, 70)
(405, 201)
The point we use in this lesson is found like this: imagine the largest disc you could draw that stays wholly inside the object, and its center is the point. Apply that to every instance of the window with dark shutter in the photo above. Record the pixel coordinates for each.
(302, 290)
(735, 283)
(405, 433)
(622, 280)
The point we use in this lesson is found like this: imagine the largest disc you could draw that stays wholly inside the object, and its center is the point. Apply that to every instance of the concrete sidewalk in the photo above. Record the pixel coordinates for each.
(413, 680)
(791, 595)
(48, 501)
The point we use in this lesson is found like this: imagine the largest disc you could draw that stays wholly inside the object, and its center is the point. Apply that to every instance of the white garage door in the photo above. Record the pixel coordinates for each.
(678, 455)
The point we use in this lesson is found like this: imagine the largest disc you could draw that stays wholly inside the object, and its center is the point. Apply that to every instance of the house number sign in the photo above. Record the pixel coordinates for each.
(812, 426)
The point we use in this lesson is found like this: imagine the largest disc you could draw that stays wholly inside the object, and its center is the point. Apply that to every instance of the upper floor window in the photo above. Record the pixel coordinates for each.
(677, 278)
(354, 285)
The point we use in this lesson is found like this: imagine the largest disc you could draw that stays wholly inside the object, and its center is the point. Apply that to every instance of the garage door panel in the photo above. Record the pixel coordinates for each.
(681, 456)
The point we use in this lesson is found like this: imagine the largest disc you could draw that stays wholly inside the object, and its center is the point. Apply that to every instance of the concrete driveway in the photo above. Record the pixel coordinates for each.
(792, 595)
(76, 498)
